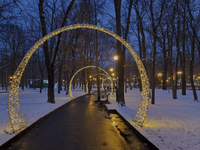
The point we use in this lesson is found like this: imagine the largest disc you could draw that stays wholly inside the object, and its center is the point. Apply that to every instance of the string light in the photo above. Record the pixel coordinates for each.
(108, 77)
(70, 83)
(16, 118)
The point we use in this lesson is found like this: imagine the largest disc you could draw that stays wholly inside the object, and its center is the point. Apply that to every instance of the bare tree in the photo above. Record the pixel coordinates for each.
(50, 56)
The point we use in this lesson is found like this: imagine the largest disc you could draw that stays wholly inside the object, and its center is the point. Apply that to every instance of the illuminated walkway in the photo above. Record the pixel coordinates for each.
(82, 124)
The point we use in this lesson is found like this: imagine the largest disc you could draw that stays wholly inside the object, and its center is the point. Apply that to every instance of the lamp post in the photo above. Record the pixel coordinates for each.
(159, 78)
(179, 73)
(116, 58)
(113, 79)
(111, 70)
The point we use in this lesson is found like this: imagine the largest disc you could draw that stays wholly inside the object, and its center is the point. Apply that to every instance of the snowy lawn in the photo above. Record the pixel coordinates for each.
(172, 124)
(33, 106)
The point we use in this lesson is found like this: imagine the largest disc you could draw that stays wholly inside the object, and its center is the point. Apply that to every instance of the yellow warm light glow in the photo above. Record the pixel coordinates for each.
(198, 77)
(15, 115)
(179, 72)
(115, 57)
(113, 74)
(90, 76)
(111, 69)
(70, 83)
(159, 74)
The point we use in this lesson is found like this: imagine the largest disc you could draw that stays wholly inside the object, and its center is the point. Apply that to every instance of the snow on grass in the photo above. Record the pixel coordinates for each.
(33, 106)
(172, 124)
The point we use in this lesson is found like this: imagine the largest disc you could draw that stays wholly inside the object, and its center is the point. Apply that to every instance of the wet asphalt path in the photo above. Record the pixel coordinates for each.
(82, 124)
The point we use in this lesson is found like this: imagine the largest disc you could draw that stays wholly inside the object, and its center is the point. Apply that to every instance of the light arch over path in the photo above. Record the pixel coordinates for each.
(16, 118)
(111, 81)
(107, 77)
(70, 83)
(104, 81)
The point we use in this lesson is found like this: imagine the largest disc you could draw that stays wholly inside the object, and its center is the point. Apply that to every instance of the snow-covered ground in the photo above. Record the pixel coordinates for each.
(33, 106)
(172, 124)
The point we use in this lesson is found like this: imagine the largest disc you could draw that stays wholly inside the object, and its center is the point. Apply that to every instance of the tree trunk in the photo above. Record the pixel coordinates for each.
(125, 78)
(154, 55)
(178, 53)
(97, 59)
(176, 76)
(85, 79)
(153, 71)
(67, 82)
(154, 29)
(51, 85)
(191, 62)
(41, 83)
(140, 48)
(48, 61)
(60, 78)
(2, 80)
(170, 66)
(34, 82)
(165, 64)
(6, 79)
(183, 80)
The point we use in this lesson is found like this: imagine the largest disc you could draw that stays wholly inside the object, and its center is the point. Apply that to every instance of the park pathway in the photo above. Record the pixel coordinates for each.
(82, 124)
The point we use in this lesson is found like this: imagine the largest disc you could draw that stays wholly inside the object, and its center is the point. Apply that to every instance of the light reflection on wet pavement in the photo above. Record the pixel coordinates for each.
(82, 124)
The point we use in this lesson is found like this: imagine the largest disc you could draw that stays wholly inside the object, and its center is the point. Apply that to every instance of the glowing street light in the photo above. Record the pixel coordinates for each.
(115, 57)
(111, 69)
(113, 74)
(159, 74)
(179, 72)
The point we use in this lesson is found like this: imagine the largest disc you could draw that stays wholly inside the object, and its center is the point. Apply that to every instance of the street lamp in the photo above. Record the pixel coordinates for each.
(116, 58)
(179, 72)
(159, 74)
(159, 78)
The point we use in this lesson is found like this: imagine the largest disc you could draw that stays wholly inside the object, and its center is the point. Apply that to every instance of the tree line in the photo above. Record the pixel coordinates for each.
(165, 35)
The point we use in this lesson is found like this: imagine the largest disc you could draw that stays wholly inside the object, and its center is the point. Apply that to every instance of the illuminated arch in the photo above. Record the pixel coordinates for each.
(104, 81)
(70, 83)
(16, 118)
(108, 77)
